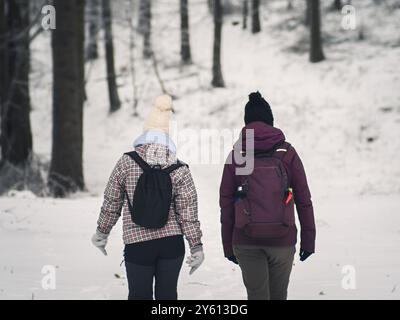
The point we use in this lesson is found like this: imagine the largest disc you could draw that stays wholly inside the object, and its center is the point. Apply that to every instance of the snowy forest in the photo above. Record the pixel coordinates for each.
(79, 77)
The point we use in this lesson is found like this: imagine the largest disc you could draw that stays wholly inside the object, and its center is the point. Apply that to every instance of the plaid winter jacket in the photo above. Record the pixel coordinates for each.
(183, 217)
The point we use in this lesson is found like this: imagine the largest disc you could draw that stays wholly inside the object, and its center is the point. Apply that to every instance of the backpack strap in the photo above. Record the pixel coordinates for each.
(143, 165)
(175, 166)
(139, 160)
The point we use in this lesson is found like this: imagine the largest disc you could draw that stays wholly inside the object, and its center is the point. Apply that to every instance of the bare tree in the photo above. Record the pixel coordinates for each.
(3, 54)
(307, 13)
(3, 79)
(255, 16)
(186, 55)
(93, 17)
(115, 103)
(135, 98)
(316, 52)
(66, 170)
(245, 12)
(16, 136)
(210, 5)
(141, 16)
(158, 76)
(146, 29)
(337, 5)
(217, 80)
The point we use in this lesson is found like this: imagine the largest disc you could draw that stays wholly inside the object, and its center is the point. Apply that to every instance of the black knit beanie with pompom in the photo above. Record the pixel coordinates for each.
(257, 109)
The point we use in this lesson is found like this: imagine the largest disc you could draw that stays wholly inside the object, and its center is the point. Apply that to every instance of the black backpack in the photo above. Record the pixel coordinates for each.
(153, 194)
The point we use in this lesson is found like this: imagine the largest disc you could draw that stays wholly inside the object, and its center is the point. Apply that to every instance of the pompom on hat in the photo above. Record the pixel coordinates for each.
(160, 115)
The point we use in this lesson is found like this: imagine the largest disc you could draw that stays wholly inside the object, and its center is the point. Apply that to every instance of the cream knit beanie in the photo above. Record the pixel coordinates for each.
(159, 117)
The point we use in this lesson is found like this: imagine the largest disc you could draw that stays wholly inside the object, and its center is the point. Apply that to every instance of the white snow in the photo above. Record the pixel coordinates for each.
(328, 111)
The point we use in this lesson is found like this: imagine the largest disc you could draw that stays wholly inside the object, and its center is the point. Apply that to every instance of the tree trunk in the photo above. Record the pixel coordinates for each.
(132, 57)
(93, 15)
(245, 13)
(316, 52)
(337, 5)
(307, 13)
(66, 170)
(217, 80)
(141, 16)
(115, 103)
(147, 51)
(3, 74)
(186, 55)
(16, 136)
(255, 15)
(210, 5)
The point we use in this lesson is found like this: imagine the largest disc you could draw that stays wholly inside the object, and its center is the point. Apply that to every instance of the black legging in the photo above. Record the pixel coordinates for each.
(159, 259)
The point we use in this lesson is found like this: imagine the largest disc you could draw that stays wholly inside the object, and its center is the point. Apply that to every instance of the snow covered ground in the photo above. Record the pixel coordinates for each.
(342, 115)
(360, 232)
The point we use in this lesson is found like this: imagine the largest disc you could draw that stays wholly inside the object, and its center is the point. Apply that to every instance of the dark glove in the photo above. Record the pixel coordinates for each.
(304, 254)
(233, 259)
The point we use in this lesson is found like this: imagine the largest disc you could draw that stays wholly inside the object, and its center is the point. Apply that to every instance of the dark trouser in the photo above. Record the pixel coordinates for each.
(265, 270)
(165, 273)
(160, 260)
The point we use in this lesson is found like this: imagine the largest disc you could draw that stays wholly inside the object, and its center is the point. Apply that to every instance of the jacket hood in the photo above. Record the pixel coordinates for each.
(265, 136)
(156, 137)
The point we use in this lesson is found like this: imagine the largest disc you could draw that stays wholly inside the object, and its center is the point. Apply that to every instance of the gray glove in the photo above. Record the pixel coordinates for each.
(196, 258)
(99, 240)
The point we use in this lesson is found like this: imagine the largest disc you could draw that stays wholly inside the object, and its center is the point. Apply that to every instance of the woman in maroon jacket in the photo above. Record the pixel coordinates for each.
(266, 263)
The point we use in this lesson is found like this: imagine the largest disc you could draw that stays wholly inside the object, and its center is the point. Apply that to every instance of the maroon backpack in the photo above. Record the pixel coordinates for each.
(264, 206)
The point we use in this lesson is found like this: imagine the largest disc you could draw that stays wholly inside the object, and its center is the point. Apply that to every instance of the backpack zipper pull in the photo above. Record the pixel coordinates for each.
(289, 195)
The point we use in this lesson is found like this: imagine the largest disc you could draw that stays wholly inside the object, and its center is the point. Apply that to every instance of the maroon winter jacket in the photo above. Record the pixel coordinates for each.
(266, 137)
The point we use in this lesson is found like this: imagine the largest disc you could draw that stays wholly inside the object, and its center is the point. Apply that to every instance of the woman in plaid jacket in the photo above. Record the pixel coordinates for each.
(153, 253)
